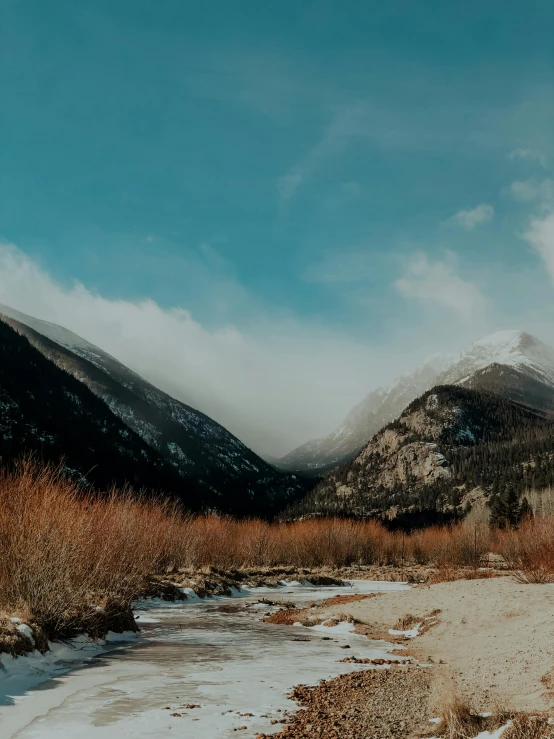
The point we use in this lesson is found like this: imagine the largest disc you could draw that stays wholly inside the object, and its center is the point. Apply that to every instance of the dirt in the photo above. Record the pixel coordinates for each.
(359, 706)
(493, 637)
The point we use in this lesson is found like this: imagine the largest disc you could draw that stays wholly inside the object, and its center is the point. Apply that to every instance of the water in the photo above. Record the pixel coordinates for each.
(215, 654)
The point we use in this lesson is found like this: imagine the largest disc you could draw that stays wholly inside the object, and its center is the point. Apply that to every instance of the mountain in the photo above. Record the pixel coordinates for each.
(46, 412)
(445, 446)
(377, 409)
(512, 364)
(195, 446)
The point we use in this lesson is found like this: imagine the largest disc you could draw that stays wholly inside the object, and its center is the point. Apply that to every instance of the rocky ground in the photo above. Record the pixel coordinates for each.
(376, 704)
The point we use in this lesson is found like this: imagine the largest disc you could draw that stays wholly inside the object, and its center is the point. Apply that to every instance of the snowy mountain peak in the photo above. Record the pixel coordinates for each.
(511, 337)
(509, 363)
(516, 349)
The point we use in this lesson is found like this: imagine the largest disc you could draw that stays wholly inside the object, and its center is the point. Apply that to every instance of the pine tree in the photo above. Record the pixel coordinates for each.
(525, 510)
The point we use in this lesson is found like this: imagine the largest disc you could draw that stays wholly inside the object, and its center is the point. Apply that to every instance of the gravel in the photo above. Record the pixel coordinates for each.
(374, 704)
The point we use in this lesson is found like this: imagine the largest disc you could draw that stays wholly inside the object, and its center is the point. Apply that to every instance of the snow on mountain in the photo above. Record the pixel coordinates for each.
(509, 363)
(196, 445)
(515, 349)
(377, 409)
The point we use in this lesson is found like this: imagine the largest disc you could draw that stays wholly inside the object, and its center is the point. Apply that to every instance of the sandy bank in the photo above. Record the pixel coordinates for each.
(494, 636)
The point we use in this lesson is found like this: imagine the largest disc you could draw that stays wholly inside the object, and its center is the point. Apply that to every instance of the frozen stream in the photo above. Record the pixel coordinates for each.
(217, 654)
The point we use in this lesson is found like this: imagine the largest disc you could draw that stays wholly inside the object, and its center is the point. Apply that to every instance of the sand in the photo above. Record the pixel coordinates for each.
(494, 637)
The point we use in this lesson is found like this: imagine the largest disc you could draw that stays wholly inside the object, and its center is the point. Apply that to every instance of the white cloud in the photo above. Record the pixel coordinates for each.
(533, 189)
(436, 284)
(530, 155)
(265, 384)
(469, 219)
(348, 124)
(541, 237)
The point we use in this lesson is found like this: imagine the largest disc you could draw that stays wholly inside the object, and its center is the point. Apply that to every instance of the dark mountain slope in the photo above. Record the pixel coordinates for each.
(46, 411)
(445, 444)
(197, 447)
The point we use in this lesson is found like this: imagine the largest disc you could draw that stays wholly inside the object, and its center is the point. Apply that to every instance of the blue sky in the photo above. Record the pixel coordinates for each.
(374, 176)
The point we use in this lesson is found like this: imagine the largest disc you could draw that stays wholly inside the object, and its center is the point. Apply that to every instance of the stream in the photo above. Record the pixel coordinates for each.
(216, 655)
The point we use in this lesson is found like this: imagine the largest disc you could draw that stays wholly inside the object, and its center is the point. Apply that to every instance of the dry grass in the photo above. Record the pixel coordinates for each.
(406, 622)
(460, 720)
(527, 726)
(73, 562)
(529, 550)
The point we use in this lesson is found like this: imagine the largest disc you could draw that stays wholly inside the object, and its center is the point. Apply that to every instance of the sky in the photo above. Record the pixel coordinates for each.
(269, 209)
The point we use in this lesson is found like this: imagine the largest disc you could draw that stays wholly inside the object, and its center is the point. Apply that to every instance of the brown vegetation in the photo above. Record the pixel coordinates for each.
(529, 550)
(527, 726)
(74, 562)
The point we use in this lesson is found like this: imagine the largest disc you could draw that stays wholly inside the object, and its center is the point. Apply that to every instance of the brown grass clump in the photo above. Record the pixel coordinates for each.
(459, 719)
(528, 726)
(406, 622)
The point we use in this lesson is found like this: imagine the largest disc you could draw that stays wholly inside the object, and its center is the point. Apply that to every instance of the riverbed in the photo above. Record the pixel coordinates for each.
(199, 670)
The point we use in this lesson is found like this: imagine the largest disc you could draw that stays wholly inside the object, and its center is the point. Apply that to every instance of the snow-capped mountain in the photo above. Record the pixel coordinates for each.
(196, 446)
(377, 409)
(513, 364)
(450, 447)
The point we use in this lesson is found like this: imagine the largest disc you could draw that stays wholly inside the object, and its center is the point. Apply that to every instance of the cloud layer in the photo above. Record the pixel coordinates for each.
(275, 386)
(469, 219)
(437, 284)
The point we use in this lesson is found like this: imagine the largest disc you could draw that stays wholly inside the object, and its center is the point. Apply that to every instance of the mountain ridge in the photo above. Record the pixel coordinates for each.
(512, 363)
(195, 445)
(447, 444)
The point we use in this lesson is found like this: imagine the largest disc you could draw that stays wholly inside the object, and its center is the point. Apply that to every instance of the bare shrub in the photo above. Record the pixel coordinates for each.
(406, 622)
(464, 544)
(529, 550)
(66, 558)
(458, 718)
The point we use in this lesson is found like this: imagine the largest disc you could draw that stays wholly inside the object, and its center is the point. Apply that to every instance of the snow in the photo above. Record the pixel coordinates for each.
(19, 674)
(216, 654)
(408, 634)
(27, 631)
(515, 349)
(343, 627)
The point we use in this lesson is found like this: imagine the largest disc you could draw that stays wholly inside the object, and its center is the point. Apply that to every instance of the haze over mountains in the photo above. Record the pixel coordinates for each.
(477, 422)
(513, 364)
(198, 449)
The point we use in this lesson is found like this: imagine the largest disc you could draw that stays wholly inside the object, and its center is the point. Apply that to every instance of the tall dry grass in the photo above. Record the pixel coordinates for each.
(67, 556)
(66, 559)
(529, 549)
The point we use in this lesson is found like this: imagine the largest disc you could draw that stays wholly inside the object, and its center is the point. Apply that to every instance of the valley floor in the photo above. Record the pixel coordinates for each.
(210, 668)
(491, 638)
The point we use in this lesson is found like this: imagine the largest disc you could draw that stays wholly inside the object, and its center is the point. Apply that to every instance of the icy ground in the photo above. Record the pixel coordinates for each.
(214, 654)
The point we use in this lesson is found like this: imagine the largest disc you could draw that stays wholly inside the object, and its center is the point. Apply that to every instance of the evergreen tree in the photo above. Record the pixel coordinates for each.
(525, 510)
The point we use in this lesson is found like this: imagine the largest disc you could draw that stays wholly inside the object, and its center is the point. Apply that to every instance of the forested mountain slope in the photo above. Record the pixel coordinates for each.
(512, 364)
(47, 412)
(196, 448)
(445, 444)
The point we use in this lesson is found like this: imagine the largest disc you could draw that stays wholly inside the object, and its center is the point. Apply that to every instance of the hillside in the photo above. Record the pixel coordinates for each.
(512, 364)
(446, 444)
(193, 446)
(47, 412)
(377, 409)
